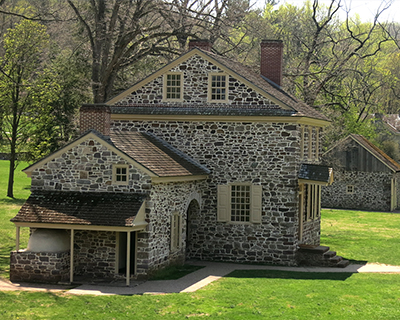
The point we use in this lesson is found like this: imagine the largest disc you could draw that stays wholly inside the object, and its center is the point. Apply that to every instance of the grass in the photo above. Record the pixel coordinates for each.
(8, 209)
(241, 295)
(256, 294)
(362, 236)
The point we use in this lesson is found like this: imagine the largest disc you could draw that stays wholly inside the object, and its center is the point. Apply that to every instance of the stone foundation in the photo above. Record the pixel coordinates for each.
(47, 267)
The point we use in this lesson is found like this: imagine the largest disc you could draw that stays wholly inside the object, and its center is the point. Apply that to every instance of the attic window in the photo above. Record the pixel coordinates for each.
(120, 174)
(217, 88)
(173, 87)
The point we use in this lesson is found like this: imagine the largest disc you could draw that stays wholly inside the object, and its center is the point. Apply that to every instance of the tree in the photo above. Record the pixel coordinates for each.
(26, 88)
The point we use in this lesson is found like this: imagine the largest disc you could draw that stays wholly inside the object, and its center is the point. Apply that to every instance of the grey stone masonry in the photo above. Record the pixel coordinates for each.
(264, 154)
(95, 253)
(47, 267)
(371, 191)
(195, 74)
(87, 167)
(154, 244)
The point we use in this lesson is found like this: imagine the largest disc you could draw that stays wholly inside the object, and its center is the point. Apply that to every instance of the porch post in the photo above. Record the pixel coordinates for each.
(128, 257)
(71, 263)
(17, 239)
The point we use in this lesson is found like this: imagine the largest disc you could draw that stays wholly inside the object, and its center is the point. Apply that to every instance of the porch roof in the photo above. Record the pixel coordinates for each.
(314, 173)
(82, 208)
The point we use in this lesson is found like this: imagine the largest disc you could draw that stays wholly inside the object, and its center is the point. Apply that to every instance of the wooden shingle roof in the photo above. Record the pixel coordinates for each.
(316, 173)
(81, 208)
(155, 154)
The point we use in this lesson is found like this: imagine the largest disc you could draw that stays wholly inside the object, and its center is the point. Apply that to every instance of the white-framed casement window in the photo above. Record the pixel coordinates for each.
(349, 189)
(121, 174)
(218, 87)
(176, 231)
(310, 201)
(173, 87)
(239, 203)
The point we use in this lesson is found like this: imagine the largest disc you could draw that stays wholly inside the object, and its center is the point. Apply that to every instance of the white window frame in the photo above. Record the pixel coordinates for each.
(116, 173)
(211, 87)
(176, 231)
(350, 189)
(165, 87)
(224, 206)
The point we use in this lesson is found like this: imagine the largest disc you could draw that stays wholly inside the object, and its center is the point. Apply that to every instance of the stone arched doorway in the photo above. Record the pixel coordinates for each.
(192, 225)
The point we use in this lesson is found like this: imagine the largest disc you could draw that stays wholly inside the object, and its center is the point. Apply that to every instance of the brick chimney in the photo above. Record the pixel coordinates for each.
(201, 44)
(97, 117)
(272, 60)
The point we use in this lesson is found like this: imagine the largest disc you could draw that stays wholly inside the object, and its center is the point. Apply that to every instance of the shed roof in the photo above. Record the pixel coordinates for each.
(316, 173)
(81, 208)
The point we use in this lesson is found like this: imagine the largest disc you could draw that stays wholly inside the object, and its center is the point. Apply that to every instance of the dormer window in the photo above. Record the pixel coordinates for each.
(217, 89)
(173, 87)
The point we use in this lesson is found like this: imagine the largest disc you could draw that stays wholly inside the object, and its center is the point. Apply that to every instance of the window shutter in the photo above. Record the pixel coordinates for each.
(256, 203)
(223, 204)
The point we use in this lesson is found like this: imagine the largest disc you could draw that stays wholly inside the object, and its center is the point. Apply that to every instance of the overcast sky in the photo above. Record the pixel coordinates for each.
(367, 9)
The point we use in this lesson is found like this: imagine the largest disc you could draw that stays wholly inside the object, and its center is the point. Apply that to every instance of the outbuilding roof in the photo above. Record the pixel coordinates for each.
(81, 208)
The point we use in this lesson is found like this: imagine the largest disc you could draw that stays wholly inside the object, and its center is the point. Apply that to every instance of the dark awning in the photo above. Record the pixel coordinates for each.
(314, 173)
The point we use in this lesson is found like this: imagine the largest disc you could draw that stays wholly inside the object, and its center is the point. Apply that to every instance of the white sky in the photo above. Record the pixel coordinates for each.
(366, 9)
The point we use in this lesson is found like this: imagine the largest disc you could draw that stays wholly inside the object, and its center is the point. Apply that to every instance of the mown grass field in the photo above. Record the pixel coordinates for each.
(358, 236)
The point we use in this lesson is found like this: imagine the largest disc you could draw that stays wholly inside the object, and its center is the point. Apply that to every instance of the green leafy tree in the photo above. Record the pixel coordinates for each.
(27, 88)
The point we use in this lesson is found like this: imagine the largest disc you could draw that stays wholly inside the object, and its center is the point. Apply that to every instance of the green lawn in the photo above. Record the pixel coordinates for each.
(8, 209)
(362, 236)
(356, 235)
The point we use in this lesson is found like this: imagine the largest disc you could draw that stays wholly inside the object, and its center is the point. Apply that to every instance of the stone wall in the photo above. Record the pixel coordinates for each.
(372, 191)
(154, 250)
(195, 74)
(312, 232)
(95, 253)
(261, 153)
(48, 267)
(87, 167)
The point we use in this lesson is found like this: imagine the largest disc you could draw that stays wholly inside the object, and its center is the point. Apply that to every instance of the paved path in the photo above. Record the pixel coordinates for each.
(189, 283)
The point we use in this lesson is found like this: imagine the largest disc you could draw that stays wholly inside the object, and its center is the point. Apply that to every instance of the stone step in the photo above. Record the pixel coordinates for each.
(343, 264)
(329, 254)
(314, 249)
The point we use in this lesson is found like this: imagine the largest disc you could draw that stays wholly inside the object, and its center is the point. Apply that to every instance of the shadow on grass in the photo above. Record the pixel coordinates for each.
(276, 274)
(11, 201)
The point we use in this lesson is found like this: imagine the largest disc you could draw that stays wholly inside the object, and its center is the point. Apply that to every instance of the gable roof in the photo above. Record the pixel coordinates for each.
(244, 74)
(371, 148)
(156, 154)
(148, 153)
(82, 208)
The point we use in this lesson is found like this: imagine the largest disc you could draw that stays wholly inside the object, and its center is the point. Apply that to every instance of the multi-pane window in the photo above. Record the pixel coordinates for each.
(120, 174)
(173, 87)
(218, 87)
(240, 203)
(310, 201)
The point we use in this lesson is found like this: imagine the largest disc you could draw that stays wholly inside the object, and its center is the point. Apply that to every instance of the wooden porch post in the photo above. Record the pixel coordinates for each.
(128, 257)
(71, 264)
(17, 238)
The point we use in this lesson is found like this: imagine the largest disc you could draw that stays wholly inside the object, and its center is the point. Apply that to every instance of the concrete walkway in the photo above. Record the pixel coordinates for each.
(212, 271)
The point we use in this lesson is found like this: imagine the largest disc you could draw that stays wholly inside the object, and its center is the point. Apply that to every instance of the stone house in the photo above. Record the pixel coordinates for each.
(365, 177)
(203, 159)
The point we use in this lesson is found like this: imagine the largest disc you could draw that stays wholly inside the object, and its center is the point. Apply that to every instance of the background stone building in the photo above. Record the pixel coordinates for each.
(365, 177)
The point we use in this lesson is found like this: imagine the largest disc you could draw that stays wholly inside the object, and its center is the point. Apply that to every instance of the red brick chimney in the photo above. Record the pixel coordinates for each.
(97, 117)
(201, 44)
(272, 60)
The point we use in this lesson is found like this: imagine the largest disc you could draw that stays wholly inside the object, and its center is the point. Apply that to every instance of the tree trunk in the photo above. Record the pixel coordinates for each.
(10, 189)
